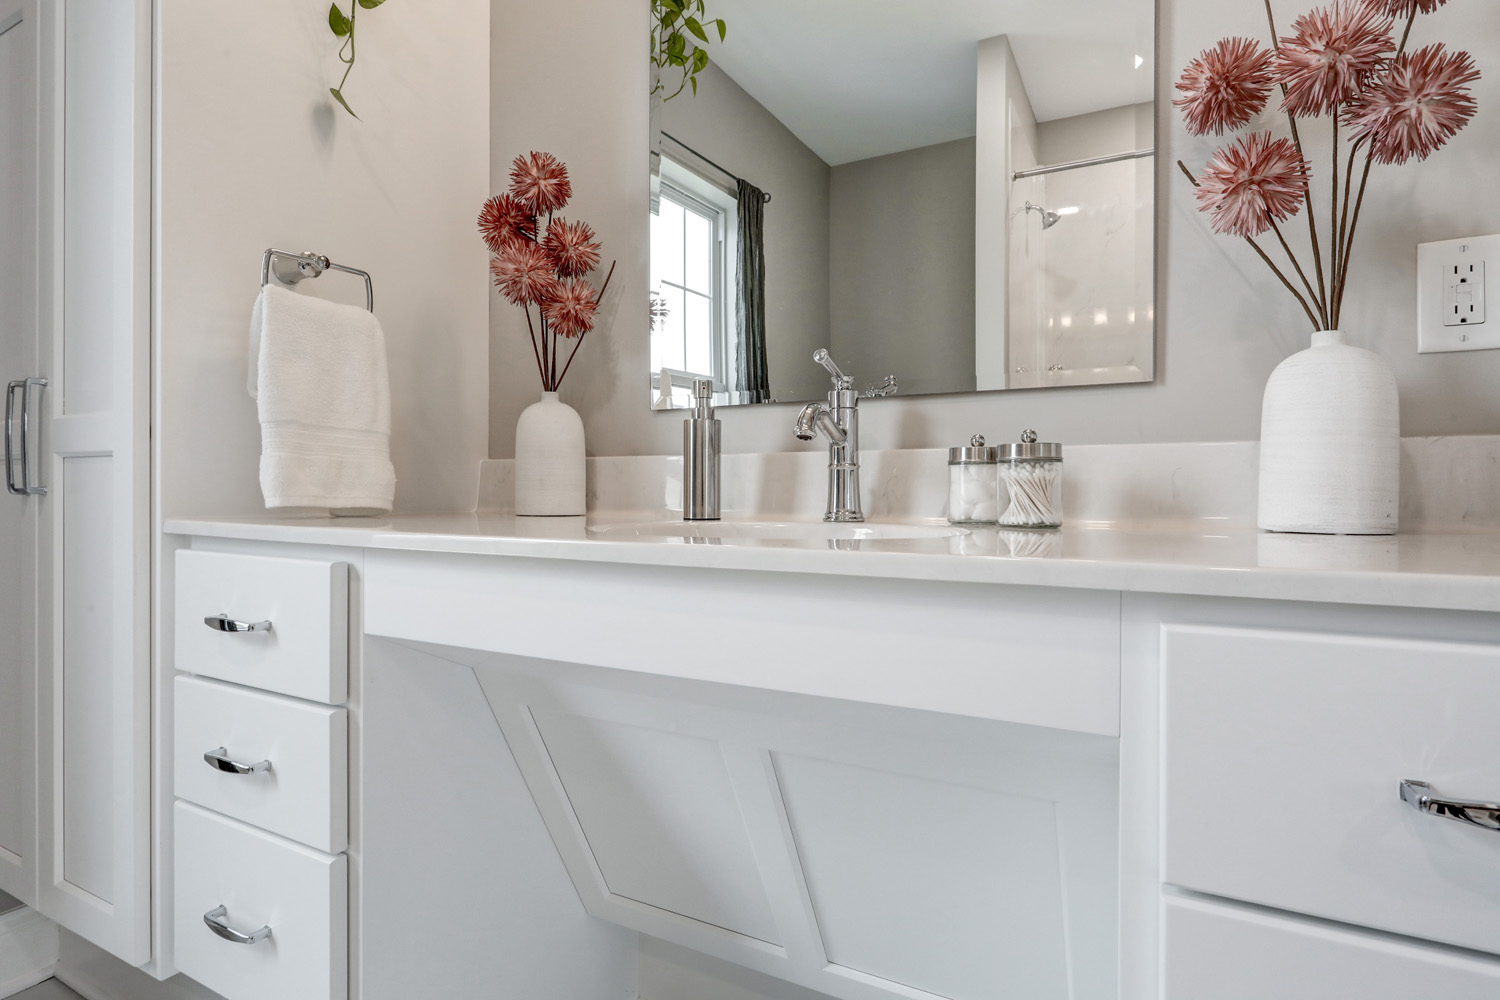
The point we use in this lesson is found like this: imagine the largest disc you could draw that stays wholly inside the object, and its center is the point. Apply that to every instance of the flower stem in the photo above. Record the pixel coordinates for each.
(532, 330)
(1270, 263)
(1298, 265)
(1359, 204)
(1333, 208)
(604, 288)
(1312, 222)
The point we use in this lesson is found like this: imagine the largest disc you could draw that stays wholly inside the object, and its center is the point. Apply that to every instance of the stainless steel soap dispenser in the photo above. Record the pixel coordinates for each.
(700, 456)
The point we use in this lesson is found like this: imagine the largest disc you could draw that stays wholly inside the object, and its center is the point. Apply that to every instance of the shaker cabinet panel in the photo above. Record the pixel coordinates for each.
(1283, 757)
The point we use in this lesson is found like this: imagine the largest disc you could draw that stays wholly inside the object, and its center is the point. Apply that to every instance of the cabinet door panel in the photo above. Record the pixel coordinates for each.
(93, 695)
(18, 515)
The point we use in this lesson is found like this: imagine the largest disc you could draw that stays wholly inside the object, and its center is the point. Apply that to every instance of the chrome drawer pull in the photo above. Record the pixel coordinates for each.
(1485, 815)
(218, 759)
(215, 920)
(224, 623)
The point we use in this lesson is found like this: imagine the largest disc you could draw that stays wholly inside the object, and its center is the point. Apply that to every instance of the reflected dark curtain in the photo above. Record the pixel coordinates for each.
(750, 300)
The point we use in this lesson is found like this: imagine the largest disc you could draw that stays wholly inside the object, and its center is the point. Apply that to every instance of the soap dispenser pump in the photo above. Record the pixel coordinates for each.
(700, 456)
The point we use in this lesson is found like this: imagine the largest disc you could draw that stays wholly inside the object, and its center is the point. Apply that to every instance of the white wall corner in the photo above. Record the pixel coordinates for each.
(28, 950)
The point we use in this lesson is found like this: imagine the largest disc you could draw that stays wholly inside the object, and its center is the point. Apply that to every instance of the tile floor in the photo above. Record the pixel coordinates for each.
(50, 990)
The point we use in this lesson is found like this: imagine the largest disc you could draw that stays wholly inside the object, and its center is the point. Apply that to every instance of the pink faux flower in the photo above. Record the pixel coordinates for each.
(523, 272)
(572, 247)
(1251, 182)
(540, 182)
(571, 307)
(1416, 107)
(504, 219)
(1332, 53)
(1225, 87)
(1405, 8)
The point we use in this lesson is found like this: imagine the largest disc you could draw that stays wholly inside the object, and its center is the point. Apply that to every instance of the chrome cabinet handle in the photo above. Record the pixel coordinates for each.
(10, 421)
(26, 484)
(218, 759)
(223, 623)
(215, 920)
(1419, 795)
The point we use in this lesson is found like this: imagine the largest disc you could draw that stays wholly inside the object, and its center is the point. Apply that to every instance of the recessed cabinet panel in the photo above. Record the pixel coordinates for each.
(301, 791)
(1228, 953)
(260, 881)
(303, 651)
(863, 852)
(661, 819)
(88, 665)
(956, 891)
(1283, 757)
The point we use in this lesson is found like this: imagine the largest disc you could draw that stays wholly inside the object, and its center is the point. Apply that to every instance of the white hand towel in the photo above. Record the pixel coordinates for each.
(318, 372)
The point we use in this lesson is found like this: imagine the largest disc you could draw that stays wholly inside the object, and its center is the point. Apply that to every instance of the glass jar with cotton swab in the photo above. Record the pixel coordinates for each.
(1030, 483)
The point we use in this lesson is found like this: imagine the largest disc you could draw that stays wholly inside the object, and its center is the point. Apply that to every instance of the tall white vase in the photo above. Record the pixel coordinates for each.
(550, 460)
(1330, 442)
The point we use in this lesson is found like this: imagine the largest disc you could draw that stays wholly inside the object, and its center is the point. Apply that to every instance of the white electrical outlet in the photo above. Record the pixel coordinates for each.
(1451, 294)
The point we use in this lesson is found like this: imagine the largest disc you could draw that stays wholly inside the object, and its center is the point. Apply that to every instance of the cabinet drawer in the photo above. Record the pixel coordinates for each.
(305, 651)
(1283, 758)
(303, 794)
(1226, 953)
(261, 881)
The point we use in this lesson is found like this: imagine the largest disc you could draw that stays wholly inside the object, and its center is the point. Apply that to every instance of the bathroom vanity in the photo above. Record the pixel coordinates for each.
(1152, 761)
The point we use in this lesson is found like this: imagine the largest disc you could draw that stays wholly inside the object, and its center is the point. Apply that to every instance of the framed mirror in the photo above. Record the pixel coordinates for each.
(960, 200)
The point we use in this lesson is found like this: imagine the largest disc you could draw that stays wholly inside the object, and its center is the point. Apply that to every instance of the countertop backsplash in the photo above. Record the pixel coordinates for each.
(1448, 484)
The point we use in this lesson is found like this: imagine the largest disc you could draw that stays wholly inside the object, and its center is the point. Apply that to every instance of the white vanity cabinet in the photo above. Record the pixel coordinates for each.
(866, 786)
(1285, 734)
(260, 880)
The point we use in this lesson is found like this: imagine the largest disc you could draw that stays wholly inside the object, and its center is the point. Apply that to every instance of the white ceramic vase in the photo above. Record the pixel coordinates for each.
(1330, 442)
(550, 460)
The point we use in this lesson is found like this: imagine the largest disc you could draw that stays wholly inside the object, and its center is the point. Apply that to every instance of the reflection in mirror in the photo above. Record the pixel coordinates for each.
(963, 202)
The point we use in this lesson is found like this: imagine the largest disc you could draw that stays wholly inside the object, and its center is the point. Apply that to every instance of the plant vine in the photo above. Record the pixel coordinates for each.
(343, 26)
(671, 24)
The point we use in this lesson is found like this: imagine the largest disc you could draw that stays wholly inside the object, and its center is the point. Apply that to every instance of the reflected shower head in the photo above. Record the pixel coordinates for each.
(1049, 219)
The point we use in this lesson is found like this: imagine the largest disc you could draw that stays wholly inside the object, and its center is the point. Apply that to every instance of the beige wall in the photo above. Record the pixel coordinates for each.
(1225, 322)
(251, 153)
(902, 272)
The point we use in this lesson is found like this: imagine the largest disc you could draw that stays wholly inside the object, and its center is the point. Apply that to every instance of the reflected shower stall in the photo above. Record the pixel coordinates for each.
(1080, 282)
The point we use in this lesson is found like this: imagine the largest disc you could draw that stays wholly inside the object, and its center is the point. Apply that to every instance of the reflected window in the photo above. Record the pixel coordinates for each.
(691, 305)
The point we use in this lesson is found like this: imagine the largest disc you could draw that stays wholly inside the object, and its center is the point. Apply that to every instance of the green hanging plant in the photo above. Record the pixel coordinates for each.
(343, 26)
(672, 22)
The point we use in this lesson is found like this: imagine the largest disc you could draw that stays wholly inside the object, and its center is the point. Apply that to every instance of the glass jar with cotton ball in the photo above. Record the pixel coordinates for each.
(973, 491)
(1030, 483)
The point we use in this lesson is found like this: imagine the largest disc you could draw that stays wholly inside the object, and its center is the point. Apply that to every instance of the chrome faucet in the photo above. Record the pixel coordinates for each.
(838, 419)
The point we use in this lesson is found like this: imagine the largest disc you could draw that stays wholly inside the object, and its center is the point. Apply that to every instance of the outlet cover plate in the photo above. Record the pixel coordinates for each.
(1439, 267)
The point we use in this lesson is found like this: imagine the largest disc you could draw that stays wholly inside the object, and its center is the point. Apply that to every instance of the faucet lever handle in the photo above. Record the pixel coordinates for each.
(886, 388)
(840, 380)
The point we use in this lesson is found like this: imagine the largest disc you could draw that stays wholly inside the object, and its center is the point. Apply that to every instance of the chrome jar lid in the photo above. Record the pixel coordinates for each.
(1030, 449)
(975, 453)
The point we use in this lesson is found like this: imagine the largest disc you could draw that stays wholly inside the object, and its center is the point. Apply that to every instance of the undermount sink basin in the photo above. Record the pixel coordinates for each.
(791, 531)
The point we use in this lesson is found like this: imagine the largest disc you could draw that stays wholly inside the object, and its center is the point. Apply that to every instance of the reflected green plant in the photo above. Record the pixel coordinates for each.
(673, 21)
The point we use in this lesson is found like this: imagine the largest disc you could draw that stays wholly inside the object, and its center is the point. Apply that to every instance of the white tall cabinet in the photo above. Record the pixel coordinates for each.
(18, 514)
(75, 682)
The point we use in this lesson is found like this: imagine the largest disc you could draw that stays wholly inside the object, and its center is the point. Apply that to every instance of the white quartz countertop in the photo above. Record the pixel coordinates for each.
(1207, 556)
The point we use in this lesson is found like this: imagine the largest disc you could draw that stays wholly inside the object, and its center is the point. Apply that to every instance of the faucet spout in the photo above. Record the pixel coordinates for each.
(815, 417)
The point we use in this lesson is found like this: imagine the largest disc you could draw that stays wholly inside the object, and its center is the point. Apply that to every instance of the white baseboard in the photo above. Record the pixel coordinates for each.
(28, 950)
(97, 975)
